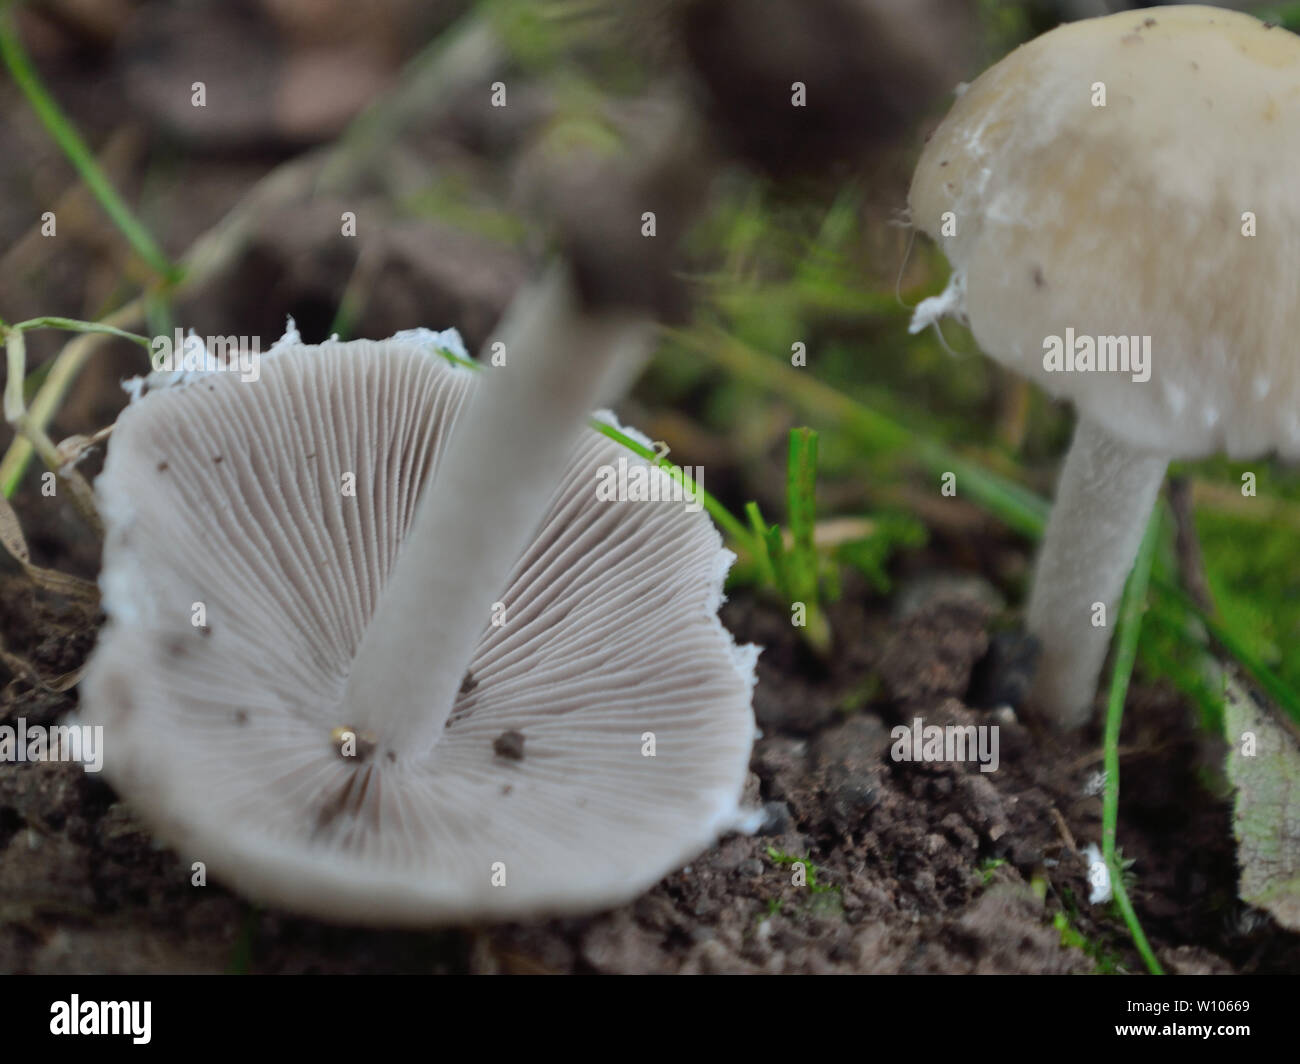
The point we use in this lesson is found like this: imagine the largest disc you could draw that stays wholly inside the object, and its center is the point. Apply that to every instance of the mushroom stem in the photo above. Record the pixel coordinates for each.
(1103, 501)
(505, 457)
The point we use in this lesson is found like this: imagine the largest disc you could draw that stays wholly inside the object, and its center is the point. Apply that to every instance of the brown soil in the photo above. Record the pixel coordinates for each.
(910, 867)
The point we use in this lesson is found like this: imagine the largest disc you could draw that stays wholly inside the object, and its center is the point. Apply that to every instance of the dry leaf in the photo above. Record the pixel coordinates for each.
(13, 541)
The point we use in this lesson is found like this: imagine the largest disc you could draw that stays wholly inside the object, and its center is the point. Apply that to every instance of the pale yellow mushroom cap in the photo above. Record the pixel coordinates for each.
(1130, 219)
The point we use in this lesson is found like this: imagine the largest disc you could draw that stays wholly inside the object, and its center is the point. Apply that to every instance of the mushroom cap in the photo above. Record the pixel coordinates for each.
(224, 737)
(1127, 220)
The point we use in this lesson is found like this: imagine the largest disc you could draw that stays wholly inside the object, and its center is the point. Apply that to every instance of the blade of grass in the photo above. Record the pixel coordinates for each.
(801, 475)
(73, 325)
(1272, 684)
(766, 570)
(774, 545)
(725, 519)
(158, 312)
(1132, 606)
(15, 374)
(803, 585)
(62, 372)
(1013, 504)
(65, 135)
(1016, 506)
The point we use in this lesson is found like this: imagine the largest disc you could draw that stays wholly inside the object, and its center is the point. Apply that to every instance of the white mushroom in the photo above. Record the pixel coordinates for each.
(503, 465)
(1119, 182)
(600, 739)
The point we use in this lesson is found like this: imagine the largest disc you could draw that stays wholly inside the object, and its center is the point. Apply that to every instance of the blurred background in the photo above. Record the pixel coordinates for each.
(313, 108)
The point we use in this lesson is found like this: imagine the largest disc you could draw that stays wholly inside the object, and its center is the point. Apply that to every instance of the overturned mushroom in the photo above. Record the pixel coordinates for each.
(627, 703)
(1118, 202)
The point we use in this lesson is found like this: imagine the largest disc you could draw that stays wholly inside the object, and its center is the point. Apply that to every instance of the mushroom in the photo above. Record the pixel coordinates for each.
(1118, 202)
(504, 461)
(602, 734)
(572, 340)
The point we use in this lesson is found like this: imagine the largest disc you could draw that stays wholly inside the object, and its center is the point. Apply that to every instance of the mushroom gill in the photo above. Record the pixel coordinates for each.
(238, 746)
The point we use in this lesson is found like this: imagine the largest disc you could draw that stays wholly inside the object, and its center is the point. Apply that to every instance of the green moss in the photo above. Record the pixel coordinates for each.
(988, 868)
(810, 871)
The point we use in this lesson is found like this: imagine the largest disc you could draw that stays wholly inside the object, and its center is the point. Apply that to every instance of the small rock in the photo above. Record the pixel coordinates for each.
(931, 652)
(777, 711)
(781, 763)
(1003, 677)
(982, 804)
(777, 819)
(1004, 925)
(851, 758)
(1026, 853)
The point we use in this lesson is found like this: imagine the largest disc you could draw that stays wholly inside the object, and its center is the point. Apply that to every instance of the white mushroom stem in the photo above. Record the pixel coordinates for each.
(505, 457)
(1103, 502)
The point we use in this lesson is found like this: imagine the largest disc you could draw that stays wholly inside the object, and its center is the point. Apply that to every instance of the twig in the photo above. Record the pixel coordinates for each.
(1066, 835)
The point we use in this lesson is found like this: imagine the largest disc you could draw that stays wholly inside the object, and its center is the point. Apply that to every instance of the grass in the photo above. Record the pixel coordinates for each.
(811, 881)
(716, 510)
(793, 569)
(1104, 961)
(30, 423)
(1127, 630)
(1014, 505)
(74, 148)
(73, 325)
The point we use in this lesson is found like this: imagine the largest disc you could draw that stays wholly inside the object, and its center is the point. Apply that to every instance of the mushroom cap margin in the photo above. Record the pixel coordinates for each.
(614, 633)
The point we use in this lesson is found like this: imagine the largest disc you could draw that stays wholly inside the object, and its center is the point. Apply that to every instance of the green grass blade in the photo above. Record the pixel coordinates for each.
(725, 519)
(65, 135)
(766, 570)
(1126, 641)
(801, 480)
(1013, 504)
(774, 544)
(1269, 681)
(74, 325)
